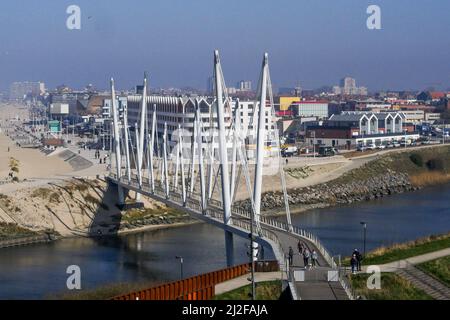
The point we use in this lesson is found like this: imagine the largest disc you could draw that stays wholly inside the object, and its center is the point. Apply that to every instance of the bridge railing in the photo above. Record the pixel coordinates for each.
(295, 230)
(194, 204)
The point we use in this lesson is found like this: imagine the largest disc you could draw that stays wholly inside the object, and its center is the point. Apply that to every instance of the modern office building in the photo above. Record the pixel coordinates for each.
(182, 110)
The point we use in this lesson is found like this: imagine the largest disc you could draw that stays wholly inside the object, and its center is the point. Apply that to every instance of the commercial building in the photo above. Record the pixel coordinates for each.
(59, 109)
(319, 109)
(432, 117)
(350, 129)
(182, 110)
(285, 102)
(413, 116)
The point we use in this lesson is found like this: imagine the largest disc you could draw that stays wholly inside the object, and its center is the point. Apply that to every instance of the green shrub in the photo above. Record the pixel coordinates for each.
(416, 159)
(435, 164)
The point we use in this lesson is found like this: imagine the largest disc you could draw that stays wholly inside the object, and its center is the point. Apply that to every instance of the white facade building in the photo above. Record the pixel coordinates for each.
(182, 110)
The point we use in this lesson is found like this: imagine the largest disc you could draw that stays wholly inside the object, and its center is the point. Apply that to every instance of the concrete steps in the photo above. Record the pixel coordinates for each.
(428, 284)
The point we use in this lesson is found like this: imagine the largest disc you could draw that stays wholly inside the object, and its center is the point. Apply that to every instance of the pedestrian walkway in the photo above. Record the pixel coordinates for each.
(315, 285)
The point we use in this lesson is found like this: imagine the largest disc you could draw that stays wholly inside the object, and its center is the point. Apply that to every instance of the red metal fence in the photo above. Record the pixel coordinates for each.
(199, 287)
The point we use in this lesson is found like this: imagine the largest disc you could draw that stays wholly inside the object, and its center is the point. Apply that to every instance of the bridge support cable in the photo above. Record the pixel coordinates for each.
(223, 155)
(280, 162)
(177, 163)
(152, 150)
(236, 132)
(138, 156)
(121, 199)
(200, 158)
(260, 137)
(142, 132)
(193, 144)
(183, 178)
(127, 147)
(165, 163)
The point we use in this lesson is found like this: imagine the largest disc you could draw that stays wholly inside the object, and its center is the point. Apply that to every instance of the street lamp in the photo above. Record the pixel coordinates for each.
(405, 137)
(364, 224)
(181, 266)
(314, 143)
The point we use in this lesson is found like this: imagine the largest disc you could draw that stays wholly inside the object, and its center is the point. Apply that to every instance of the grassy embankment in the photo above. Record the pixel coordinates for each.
(12, 231)
(405, 250)
(439, 269)
(393, 287)
(269, 290)
(157, 215)
(425, 167)
(104, 292)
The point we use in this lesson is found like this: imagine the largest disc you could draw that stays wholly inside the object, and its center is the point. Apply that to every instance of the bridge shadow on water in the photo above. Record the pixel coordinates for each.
(104, 231)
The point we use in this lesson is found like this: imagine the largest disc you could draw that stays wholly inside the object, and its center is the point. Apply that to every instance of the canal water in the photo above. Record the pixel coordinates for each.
(38, 271)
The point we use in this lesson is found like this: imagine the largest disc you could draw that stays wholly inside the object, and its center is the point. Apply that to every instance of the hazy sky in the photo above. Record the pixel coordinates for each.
(310, 42)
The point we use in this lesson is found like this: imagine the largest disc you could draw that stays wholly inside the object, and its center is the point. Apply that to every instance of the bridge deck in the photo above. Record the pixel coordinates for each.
(274, 234)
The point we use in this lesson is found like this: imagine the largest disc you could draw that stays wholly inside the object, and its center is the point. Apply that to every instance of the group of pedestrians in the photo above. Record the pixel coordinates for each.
(355, 261)
(310, 258)
(102, 160)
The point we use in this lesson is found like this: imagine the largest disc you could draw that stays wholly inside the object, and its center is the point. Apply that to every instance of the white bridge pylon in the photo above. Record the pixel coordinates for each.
(194, 164)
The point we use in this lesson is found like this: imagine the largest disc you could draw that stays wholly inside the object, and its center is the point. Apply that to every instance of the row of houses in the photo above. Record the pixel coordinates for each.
(350, 129)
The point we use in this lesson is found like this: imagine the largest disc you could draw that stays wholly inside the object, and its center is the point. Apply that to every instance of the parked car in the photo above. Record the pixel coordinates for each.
(381, 146)
(371, 146)
(361, 148)
(327, 151)
(396, 144)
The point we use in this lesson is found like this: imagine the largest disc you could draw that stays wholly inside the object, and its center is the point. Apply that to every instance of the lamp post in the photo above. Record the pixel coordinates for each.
(314, 143)
(181, 266)
(405, 137)
(364, 224)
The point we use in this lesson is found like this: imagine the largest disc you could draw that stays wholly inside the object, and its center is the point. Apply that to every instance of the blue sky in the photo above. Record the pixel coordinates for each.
(310, 42)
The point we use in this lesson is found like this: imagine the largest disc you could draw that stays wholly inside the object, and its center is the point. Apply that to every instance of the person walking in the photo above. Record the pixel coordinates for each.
(358, 259)
(291, 256)
(300, 247)
(354, 263)
(314, 258)
(306, 256)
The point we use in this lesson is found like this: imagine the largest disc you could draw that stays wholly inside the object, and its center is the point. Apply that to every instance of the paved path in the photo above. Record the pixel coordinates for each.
(315, 285)
(402, 264)
(242, 281)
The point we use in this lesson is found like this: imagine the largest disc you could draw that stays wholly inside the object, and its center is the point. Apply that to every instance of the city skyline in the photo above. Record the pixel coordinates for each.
(403, 55)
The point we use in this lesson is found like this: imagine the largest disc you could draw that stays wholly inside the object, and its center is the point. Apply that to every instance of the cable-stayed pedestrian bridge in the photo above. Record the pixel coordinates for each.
(197, 179)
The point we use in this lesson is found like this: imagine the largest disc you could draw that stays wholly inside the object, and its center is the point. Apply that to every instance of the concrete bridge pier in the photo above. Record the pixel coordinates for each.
(229, 246)
(121, 196)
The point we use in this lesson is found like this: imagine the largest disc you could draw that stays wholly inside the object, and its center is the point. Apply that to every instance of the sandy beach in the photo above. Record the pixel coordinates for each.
(33, 163)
